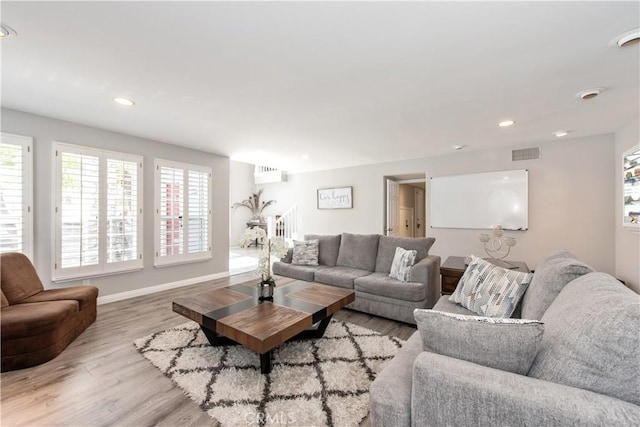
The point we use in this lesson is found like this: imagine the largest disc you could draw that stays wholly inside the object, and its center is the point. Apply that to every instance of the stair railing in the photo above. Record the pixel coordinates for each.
(285, 226)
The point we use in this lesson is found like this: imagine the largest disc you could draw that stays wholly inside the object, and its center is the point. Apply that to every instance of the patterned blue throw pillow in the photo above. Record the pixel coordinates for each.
(489, 290)
(403, 260)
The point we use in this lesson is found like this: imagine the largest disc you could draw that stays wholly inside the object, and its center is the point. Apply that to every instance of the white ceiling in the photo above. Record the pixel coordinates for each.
(344, 83)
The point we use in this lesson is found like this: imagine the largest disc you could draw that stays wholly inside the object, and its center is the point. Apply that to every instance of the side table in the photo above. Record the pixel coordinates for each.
(453, 269)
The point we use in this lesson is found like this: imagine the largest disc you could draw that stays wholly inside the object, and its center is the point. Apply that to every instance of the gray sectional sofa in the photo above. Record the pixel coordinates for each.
(585, 367)
(362, 262)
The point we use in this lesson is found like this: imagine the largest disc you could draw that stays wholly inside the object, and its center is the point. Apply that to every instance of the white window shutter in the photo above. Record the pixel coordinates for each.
(122, 210)
(79, 210)
(198, 227)
(16, 194)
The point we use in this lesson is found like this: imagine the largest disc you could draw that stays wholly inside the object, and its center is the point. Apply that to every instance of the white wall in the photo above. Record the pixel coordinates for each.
(570, 199)
(627, 241)
(45, 130)
(241, 184)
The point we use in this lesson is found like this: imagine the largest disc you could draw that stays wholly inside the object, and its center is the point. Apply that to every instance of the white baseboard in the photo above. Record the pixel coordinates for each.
(159, 288)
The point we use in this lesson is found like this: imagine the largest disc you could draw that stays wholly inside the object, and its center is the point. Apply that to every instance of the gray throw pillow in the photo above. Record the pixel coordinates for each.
(305, 252)
(403, 260)
(489, 290)
(506, 344)
(550, 277)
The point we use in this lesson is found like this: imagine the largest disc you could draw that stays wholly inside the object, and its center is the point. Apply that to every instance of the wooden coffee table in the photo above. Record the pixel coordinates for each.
(234, 315)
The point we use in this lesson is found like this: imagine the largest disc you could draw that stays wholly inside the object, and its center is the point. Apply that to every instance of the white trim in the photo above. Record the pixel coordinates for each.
(412, 181)
(159, 288)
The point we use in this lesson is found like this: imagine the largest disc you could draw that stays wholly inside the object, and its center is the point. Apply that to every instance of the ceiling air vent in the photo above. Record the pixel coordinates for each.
(525, 154)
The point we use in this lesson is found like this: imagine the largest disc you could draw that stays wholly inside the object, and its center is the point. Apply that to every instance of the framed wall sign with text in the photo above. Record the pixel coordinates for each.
(335, 198)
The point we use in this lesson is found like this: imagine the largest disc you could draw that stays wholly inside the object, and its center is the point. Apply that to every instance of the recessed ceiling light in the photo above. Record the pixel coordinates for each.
(561, 133)
(506, 123)
(458, 147)
(589, 93)
(628, 38)
(7, 32)
(123, 101)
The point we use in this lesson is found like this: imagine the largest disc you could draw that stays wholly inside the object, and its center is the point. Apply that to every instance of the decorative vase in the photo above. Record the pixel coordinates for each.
(265, 289)
(257, 220)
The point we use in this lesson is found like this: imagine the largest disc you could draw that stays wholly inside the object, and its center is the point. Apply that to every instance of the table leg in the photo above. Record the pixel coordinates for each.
(265, 358)
(215, 339)
(265, 362)
(219, 340)
(316, 332)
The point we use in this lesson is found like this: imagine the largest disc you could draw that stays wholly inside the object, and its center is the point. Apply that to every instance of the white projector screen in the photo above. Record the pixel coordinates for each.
(480, 200)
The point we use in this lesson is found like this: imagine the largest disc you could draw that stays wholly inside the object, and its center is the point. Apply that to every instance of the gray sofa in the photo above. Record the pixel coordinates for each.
(362, 262)
(586, 370)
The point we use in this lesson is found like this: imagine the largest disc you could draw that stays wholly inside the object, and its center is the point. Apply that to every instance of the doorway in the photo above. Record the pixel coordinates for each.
(407, 222)
(405, 205)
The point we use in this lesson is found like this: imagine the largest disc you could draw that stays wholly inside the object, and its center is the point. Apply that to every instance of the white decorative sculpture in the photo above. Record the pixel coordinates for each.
(495, 246)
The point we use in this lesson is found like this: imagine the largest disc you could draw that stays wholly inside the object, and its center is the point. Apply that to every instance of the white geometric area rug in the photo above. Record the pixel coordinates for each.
(315, 382)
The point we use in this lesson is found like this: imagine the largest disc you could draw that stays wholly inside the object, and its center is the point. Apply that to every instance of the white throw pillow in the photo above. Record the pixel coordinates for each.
(489, 290)
(305, 252)
(403, 260)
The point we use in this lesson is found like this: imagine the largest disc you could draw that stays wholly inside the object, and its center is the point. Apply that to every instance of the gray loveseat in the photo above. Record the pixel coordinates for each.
(585, 370)
(362, 262)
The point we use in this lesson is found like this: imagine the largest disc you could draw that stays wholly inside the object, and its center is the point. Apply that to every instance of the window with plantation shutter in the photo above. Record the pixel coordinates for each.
(183, 213)
(16, 194)
(98, 215)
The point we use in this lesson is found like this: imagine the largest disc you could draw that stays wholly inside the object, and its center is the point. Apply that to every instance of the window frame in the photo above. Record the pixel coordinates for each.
(26, 142)
(185, 257)
(103, 267)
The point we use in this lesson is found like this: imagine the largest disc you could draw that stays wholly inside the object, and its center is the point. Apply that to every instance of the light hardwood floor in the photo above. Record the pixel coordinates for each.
(101, 379)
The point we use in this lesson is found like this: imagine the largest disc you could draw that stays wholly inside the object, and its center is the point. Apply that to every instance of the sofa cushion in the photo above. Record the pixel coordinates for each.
(85, 295)
(506, 344)
(444, 304)
(489, 290)
(551, 275)
(18, 277)
(383, 285)
(5, 302)
(403, 260)
(30, 319)
(358, 251)
(341, 277)
(299, 272)
(387, 249)
(305, 252)
(328, 248)
(591, 338)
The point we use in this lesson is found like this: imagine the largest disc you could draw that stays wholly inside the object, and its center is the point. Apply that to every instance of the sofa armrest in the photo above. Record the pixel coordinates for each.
(288, 257)
(427, 271)
(449, 391)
